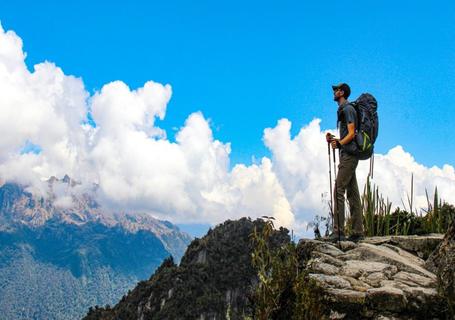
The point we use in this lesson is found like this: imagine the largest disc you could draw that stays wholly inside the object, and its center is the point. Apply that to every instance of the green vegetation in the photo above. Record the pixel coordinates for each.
(380, 220)
(284, 290)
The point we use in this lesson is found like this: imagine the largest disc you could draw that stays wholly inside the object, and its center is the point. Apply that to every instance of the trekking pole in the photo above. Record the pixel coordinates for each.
(338, 214)
(330, 180)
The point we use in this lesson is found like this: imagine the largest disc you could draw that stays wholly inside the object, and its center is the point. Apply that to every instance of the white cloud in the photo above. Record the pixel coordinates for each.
(302, 166)
(139, 169)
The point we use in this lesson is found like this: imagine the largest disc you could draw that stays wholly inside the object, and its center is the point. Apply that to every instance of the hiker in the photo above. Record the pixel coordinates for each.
(346, 180)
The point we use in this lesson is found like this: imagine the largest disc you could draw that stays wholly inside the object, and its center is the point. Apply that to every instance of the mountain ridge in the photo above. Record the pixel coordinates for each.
(56, 259)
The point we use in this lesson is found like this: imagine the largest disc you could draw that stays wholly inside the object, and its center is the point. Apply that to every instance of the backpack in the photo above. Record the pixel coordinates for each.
(367, 126)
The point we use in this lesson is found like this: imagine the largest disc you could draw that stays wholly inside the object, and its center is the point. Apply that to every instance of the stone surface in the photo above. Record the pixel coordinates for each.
(346, 296)
(380, 253)
(413, 279)
(329, 249)
(421, 246)
(347, 245)
(331, 281)
(378, 278)
(317, 265)
(415, 259)
(328, 259)
(374, 279)
(358, 268)
(386, 298)
(357, 284)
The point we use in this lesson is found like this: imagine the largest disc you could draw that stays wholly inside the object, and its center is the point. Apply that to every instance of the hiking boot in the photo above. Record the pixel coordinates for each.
(356, 237)
(334, 237)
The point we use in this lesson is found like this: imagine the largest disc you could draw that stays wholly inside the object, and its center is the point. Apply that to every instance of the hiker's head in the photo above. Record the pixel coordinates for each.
(341, 90)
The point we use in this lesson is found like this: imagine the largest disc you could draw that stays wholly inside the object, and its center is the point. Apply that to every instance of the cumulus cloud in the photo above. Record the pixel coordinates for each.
(131, 160)
(302, 167)
(138, 169)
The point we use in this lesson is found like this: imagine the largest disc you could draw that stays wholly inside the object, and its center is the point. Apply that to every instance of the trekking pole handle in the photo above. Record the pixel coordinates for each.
(329, 137)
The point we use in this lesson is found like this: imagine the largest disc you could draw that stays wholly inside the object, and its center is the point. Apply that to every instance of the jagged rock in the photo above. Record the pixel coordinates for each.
(442, 262)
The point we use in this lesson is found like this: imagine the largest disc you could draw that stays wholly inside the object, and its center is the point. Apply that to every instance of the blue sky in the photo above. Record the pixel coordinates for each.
(247, 64)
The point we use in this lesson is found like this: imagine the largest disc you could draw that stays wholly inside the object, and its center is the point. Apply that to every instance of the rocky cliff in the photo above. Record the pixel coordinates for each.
(214, 280)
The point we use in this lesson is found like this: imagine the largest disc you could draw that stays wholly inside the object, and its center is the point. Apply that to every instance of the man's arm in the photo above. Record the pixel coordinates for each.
(336, 143)
(350, 135)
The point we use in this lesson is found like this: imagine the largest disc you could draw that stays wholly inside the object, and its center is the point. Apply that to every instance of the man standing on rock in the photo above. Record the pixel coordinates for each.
(346, 180)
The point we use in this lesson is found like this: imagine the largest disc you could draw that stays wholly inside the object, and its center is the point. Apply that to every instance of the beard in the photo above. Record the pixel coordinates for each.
(335, 98)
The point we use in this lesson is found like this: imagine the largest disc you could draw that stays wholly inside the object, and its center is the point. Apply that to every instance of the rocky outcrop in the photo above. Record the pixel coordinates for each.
(442, 263)
(215, 280)
(378, 278)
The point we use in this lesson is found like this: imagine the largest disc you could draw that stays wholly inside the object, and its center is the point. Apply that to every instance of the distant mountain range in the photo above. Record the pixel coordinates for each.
(62, 253)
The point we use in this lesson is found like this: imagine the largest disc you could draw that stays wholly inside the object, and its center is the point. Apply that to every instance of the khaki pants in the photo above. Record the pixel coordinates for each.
(346, 181)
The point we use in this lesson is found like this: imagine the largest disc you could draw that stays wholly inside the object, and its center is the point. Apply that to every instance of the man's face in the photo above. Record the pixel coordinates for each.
(337, 94)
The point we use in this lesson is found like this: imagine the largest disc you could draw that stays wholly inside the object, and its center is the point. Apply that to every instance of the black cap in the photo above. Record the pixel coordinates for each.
(344, 87)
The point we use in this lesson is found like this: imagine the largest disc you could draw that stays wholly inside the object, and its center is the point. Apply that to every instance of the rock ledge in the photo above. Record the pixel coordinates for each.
(378, 278)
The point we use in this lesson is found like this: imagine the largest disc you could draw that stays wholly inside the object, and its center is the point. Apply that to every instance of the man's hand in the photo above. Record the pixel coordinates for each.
(329, 137)
(335, 143)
